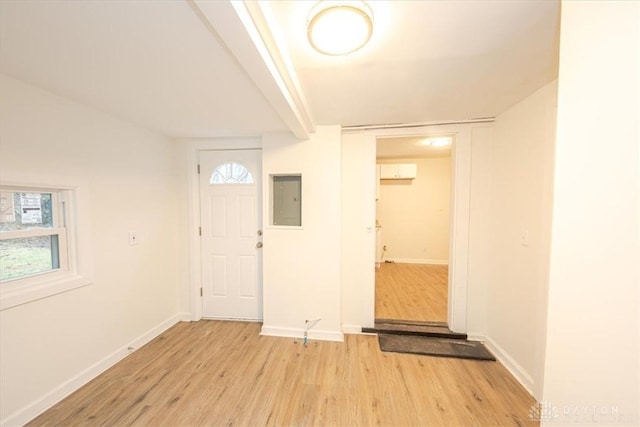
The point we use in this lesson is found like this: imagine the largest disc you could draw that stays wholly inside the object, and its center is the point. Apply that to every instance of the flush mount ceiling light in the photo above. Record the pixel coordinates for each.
(441, 141)
(339, 27)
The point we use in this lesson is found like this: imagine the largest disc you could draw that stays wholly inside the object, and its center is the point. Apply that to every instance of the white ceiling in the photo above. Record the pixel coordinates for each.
(427, 60)
(152, 62)
(183, 68)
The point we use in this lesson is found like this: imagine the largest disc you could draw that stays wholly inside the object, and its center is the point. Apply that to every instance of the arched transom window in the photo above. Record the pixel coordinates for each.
(231, 173)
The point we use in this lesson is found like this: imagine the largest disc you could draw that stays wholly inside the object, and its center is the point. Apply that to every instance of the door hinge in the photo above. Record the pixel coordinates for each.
(200, 291)
(199, 231)
(198, 169)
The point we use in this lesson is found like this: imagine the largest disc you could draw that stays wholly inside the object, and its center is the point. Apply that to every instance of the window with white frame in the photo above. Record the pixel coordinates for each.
(32, 233)
(36, 249)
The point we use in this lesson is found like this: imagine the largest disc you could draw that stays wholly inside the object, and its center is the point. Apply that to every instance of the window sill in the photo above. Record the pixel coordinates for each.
(43, 288)
(284, 227)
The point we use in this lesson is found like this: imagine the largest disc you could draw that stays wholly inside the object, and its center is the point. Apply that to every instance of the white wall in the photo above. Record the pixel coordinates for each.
(521, 202)
(302, 275)
(414, 214)
(51, 345)
(592, 354)
(479, 230)
(358, 237)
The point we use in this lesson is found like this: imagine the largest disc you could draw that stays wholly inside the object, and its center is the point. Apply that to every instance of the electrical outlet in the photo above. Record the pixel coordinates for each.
(524, 237)
(133, 238)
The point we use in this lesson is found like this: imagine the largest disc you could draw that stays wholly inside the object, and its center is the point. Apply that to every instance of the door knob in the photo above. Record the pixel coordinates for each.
(259, 232)
(259, 245)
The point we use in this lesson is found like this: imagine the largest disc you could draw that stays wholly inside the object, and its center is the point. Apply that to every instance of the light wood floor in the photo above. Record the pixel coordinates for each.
(210, 373)
(411, 292)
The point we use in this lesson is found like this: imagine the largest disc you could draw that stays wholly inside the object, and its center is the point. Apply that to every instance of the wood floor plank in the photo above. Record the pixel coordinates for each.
(412, 292)
(214, 373)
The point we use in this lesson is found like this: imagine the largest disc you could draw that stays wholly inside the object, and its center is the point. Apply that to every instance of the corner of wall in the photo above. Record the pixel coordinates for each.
(42, 403)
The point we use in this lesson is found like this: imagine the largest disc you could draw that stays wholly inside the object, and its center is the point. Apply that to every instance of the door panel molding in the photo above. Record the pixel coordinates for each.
(190, 301)
(234, 288)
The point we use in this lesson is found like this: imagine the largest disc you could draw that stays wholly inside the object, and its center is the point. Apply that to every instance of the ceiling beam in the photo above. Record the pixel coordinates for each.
(245, 31)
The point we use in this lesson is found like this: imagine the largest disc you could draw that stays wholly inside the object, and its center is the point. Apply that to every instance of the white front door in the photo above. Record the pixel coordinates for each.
(230, 206)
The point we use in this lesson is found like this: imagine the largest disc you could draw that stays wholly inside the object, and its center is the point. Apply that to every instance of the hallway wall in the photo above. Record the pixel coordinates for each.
(519, 231)
(592, 371)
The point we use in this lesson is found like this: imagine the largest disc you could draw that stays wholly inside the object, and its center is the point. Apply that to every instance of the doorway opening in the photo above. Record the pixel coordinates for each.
(413, 227)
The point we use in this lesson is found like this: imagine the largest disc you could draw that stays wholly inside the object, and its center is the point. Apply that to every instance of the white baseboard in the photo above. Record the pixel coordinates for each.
(512, 366)
(231, 319)
(185, 316)
(351, 329)
(274, 331)
(420, 261)
(54, 396)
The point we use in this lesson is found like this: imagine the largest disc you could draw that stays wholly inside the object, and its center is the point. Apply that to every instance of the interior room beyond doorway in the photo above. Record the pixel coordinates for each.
(413, 201)
(416, 292)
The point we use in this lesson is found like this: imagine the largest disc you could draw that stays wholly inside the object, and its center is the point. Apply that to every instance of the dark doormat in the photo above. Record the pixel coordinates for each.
(434, 347)
(410, 327)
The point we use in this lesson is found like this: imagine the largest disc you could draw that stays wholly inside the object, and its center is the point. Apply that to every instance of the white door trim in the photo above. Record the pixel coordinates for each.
(195, 251)
(459, 220)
